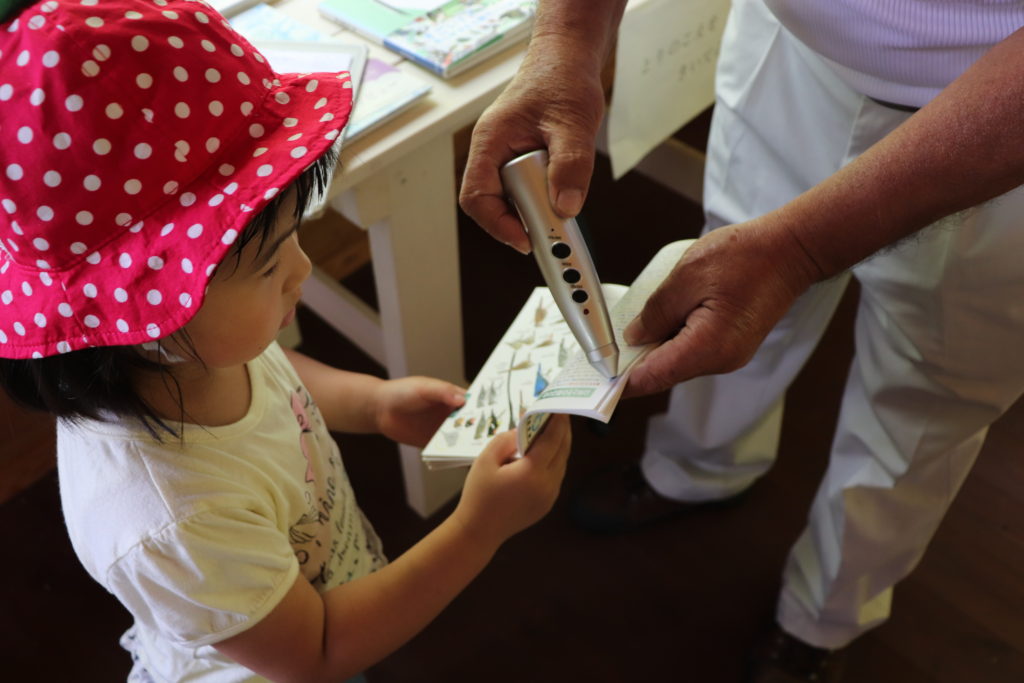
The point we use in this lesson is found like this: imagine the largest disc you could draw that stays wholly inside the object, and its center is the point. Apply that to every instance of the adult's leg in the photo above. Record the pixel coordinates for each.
(938, 337)
(782, 123)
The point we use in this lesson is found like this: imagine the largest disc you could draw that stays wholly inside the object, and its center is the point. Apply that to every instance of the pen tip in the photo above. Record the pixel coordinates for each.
(608, 366)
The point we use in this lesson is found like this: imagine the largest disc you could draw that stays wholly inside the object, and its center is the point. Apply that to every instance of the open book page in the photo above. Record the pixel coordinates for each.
(538, 369)
(530, 354)
(579, 389)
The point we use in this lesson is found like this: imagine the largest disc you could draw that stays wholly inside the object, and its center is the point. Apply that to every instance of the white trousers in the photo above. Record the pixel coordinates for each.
(939, 341)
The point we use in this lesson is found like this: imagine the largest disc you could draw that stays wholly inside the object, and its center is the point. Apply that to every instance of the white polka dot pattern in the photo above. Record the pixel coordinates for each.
(130, 130)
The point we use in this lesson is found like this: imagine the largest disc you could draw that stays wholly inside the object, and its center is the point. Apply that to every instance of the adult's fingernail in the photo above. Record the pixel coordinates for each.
(521, 249)
(569, 202)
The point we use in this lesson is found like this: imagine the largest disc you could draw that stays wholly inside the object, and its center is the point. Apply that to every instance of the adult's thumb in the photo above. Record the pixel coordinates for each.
(570, 166)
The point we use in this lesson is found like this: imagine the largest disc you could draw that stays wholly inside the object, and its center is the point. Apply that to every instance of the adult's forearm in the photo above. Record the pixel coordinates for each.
(587, 27)
(963, 148)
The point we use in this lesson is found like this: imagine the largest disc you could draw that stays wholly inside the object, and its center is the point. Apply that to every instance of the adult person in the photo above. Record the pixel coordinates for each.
(839, 129)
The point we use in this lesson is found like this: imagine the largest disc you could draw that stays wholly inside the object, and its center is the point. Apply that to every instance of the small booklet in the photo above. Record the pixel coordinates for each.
(263, 22)
(446, 38)
(229, 8)
(538, 369)
(387, 91)
(288, 56)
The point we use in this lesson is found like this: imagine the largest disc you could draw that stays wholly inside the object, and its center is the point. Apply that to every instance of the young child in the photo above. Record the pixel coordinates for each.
(154, 171)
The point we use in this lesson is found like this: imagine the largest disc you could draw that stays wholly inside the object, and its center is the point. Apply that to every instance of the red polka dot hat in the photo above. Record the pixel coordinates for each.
(137, 139)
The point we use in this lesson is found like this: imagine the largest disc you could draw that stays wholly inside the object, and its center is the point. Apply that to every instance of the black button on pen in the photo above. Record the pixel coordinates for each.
(561, 250)
(580, 295)
(571, 275)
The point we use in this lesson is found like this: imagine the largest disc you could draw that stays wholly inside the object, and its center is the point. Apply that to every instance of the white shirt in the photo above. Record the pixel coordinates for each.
(902, 51)
(201, 541)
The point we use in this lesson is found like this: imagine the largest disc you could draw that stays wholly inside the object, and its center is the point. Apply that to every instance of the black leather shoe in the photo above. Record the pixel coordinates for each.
(783, 658)
(619, 500)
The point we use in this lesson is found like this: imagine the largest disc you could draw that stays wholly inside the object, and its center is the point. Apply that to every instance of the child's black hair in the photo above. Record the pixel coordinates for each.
(99, 383)
(12, 8)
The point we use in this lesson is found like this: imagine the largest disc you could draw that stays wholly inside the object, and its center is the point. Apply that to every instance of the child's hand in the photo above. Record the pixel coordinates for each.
(502, 495)
(409, 410)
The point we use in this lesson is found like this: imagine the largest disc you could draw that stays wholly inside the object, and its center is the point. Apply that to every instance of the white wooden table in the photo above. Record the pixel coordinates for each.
(398, 183)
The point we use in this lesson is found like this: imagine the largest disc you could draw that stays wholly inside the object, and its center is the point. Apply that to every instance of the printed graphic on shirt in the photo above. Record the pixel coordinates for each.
(332, 540)
(299, 404)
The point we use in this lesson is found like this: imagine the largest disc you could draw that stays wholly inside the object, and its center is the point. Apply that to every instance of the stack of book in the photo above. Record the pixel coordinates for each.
(444, 36)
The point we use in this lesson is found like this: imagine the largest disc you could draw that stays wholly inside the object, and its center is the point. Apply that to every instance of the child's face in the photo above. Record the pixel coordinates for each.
(246, 307)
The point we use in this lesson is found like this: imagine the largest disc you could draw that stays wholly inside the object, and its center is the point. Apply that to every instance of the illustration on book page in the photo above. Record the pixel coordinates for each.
(529, 355)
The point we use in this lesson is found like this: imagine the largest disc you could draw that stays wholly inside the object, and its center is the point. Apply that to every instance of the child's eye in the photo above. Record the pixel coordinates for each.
(270, 271)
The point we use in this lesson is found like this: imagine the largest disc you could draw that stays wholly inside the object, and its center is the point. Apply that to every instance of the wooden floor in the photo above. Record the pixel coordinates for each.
(681, 602)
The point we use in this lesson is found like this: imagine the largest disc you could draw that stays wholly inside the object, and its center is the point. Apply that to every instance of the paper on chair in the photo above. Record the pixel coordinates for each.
(664, 73)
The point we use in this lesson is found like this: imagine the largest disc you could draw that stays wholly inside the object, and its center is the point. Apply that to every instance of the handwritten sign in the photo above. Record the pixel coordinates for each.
(664, 73)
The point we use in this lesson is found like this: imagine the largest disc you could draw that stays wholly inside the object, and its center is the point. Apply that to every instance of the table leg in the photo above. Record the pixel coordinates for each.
(415, 256)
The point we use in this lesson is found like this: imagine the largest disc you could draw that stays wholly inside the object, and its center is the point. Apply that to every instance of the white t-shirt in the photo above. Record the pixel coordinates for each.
(202, 541)
(902, 51)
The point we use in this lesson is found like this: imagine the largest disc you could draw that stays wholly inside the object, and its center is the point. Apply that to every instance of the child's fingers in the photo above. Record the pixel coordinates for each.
(546, 448)
(500, 450)
(561, 459)
(446, 393)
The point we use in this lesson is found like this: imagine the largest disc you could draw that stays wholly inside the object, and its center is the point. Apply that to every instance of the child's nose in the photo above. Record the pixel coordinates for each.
(303, 267)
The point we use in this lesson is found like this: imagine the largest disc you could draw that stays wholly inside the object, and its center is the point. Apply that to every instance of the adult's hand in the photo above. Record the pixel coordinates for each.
(554, 102)
(718, 304)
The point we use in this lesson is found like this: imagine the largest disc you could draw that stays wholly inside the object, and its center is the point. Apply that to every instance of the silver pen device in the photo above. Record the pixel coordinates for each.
(564, 260)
